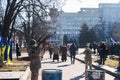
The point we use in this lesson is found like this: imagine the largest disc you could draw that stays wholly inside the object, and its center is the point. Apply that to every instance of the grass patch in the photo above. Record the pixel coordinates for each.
(112, 63)
(108, 62)
(6, 68)
(15, 65)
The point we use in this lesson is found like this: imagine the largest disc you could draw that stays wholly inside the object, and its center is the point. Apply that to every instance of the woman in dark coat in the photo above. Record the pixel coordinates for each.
(64, 53)
(56, 53)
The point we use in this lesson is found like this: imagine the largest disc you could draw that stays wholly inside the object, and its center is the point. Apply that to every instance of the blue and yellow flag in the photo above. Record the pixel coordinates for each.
(8, 55)
(3, 51)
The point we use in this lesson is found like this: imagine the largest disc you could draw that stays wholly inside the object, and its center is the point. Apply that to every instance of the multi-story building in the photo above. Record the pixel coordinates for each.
(110, 14)
(70, 23)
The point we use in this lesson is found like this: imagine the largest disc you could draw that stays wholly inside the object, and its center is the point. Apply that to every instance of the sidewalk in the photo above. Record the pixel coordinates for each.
(69, 71)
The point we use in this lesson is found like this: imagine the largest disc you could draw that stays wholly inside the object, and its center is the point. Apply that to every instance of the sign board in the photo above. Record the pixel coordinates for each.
(94, 75)
(51, 74)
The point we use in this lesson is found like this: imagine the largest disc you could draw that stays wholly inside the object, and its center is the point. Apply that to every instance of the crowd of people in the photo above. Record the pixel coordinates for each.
(63, 50)
(102, 49)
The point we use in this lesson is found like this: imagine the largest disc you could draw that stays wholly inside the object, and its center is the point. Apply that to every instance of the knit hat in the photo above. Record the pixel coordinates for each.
(32, 42)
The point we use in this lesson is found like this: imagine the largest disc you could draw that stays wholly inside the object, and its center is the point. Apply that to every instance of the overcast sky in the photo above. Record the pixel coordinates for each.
(75, 5)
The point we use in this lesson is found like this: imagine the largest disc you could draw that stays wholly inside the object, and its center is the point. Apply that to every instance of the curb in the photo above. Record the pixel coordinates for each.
(26, 74)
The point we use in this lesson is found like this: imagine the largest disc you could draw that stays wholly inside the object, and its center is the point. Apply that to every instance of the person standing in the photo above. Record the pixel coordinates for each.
(94, 47)
(50, 49)
(56, 53)
(88, 57)
(18, 53)
(102, 53)
(35, 62)
(63, 51)
(73, 49)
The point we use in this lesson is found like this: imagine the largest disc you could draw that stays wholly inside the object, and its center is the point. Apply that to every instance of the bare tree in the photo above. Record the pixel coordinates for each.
(33, 9)
(13, 7)
(32, 12)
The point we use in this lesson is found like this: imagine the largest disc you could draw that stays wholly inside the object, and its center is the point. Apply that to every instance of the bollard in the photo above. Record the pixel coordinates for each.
(94, 75)
(51, 74)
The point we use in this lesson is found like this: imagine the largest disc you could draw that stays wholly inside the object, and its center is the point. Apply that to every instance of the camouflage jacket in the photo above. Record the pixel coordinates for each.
(34, 55)
(88, 53)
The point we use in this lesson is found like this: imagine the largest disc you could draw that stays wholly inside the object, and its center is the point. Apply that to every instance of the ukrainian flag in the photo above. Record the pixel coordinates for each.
(2, 52)
(8, 57)
(9, 53)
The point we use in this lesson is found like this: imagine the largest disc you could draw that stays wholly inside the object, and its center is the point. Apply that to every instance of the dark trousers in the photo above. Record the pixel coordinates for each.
(55, 57)
(72, 58)
(102, 59)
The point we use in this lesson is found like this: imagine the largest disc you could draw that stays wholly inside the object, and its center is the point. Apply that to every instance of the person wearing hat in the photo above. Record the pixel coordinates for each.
(35, 62)
(88, 58)
(56, 52)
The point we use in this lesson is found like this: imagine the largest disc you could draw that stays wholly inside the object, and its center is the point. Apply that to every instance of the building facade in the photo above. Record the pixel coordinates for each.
(109, 14)
(70, 23)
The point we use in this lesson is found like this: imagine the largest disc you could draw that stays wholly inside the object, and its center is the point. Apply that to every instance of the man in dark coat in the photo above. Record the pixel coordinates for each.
(102, 52)
(73, 49)
(94, 47)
